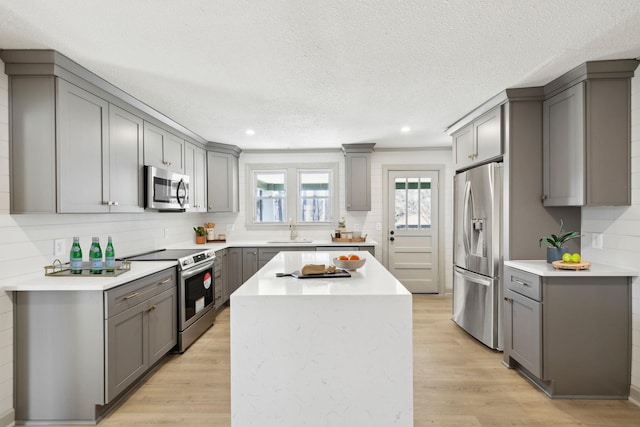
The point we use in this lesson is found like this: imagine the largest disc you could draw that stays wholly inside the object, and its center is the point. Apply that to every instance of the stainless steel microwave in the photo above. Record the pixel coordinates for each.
(166, 190)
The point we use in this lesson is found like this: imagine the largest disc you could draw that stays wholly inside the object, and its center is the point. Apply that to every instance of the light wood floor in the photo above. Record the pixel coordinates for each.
(457, 382)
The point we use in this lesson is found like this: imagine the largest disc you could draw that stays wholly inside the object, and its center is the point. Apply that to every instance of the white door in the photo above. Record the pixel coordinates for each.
(412, 229)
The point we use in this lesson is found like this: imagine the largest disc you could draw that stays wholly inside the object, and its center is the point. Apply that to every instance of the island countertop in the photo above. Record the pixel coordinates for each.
(542, 268)
(335, 351)
(371, 279)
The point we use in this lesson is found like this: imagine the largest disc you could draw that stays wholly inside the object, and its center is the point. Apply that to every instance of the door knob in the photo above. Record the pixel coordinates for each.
(392, 238)
(392, 232)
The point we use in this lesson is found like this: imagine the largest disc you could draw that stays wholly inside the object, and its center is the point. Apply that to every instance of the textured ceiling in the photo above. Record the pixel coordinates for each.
(312, 74)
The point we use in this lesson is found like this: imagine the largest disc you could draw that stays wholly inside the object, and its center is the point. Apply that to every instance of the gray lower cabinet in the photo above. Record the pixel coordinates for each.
(266, 254)
(76, 351)
(249, 263)
(220, 282)
(139, 336)
(163, 149)
(370, 249)
(587, 136)
(222, 181)
(196, 167)
(569, 335)
(234, 269)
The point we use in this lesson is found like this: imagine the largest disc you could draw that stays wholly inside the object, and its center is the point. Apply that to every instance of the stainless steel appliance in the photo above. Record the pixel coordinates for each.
(477, 256)
(195, 290)
(166, 190)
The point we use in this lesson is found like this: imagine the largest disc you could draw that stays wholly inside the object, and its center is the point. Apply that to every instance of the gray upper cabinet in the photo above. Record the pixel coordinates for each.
(195, 166)
(81, 150)
(163, 149)
(126, 178)
(479, 141)
(358, 176)
(222, 178)
(587, 136)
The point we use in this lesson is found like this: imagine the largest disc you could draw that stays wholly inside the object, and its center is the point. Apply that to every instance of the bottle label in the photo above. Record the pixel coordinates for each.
(109, 262)
(96, 263)
(76, 263)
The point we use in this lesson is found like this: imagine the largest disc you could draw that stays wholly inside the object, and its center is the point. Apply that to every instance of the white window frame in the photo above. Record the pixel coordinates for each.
(292, 193)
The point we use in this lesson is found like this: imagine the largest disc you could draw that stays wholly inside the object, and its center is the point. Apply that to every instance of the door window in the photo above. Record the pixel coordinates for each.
(412, 203)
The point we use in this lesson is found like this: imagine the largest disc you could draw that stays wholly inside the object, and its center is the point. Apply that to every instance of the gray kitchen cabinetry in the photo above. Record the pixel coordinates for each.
(220, 282)
(89, 152)
(479, 141)
(140, 328)
(234, 270)
(195, 166)
(90, 345)
(163, 149)
(587, 134)
(358, 176)
(370, 249)
(266, 254)
(249, 263)
(570, 335)
(222, 178)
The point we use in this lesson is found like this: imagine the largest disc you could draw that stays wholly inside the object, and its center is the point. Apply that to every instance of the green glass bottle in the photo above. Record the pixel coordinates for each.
(109, 257)
(95, 256)
(75, 257)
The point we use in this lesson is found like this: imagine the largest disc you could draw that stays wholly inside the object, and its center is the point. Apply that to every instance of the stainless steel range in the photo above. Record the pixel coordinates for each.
(195, 290)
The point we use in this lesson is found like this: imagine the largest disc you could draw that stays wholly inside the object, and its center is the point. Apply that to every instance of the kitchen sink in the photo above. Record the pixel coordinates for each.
(291, 241)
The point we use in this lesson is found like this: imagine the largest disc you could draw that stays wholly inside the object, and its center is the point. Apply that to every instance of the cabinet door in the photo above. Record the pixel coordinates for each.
(464, 147)
(249, 263)
(195, 167)
(563, 148)
(163, 320)
(221, 292)
(523, 331)
(358, 181)
(222, 182)
(488, 135)
(126, 178)
(81, 150)
(233, 269)
(127, 349)
(163, 149)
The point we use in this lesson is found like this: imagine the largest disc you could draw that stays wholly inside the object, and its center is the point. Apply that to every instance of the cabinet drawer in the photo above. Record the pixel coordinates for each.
(524, 283)
(128, 295)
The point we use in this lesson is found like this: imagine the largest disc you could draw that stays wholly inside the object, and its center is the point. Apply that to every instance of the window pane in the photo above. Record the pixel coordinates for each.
(412, 203)
(314, 196)
(270, 196)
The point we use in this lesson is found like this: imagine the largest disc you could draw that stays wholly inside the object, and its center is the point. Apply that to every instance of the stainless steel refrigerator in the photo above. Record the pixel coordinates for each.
(477, 253)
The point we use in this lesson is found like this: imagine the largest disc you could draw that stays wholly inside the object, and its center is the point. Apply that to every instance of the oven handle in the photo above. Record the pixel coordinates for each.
(192, 272)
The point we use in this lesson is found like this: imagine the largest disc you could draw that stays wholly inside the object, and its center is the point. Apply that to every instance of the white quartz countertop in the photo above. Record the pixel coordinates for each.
(40, 282)
(542, 268)
(268, 243)
(370, 279)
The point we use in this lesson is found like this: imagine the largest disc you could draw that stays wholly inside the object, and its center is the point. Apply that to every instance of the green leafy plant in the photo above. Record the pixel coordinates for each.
(558, 240)
(200, 231)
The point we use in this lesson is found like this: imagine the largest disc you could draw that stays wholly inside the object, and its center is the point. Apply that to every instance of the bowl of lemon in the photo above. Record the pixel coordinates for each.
(349, 262)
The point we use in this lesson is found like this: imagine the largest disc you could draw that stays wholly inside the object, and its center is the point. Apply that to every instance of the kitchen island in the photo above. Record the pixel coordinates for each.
(321, 351)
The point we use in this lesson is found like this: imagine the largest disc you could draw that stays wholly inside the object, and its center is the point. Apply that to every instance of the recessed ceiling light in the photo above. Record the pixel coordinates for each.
(251, 132)
(405, 129)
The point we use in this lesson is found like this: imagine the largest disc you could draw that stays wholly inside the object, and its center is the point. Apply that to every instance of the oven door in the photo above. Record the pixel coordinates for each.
(196, 293)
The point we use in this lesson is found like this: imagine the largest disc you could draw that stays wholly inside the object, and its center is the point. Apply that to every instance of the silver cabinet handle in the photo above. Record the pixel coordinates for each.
(165, 281)
(520, 282)
(153, 307)
(508, 299)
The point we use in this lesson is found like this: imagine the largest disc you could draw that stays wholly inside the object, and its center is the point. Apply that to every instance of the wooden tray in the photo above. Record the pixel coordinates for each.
(583, 265)
(341, 239)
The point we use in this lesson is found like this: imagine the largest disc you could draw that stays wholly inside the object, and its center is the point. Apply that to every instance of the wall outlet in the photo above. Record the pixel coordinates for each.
(596, 240)
(378, 226)
(59, 248)
(166, 233)
(230, 227)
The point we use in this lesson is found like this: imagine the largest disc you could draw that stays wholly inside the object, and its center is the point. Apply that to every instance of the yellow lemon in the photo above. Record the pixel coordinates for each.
(566, 257)
(575, 258)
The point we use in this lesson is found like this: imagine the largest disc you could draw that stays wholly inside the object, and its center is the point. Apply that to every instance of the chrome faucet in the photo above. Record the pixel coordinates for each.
(293, 234)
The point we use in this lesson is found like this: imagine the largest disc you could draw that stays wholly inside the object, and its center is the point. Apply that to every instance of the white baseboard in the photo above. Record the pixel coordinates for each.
(8, 418)
(634, 395)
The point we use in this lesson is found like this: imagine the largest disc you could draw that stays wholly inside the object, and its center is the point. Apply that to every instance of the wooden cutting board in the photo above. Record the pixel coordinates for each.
(582, 265)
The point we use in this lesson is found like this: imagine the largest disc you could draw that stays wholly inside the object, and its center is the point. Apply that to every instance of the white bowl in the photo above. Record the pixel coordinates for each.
(350, 265)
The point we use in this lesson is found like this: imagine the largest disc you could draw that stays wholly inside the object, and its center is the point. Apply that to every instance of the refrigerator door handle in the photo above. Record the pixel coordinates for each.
(466, 218)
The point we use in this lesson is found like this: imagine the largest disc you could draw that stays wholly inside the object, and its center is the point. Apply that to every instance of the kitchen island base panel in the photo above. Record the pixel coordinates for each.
(321, 360)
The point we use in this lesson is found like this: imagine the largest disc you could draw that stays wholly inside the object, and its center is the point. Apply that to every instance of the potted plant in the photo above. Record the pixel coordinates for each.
(201, 235)
(555, 243)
